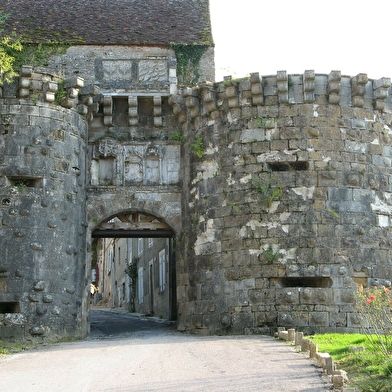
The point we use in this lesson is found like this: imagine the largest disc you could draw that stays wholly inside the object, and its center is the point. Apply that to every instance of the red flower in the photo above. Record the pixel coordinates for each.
(370, 299)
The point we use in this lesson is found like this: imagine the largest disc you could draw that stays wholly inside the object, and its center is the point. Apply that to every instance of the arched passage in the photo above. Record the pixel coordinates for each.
(133, 264)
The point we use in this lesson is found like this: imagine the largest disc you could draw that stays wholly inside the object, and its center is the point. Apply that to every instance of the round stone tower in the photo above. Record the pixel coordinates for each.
(42, 210)
(290, 201)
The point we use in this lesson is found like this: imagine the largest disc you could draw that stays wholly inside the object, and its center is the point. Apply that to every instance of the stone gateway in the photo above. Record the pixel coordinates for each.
(275, 190)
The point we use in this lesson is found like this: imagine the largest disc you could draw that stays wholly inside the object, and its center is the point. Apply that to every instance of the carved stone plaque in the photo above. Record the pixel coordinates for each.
(117, 69)
(153, 71)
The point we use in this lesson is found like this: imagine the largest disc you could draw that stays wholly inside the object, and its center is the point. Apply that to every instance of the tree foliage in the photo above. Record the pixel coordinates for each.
(9, 45)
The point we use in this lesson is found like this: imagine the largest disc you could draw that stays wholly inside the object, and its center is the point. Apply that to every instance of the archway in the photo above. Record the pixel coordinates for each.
(133, 264)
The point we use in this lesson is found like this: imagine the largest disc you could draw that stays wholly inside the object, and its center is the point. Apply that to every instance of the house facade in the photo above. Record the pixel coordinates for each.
(135, 274)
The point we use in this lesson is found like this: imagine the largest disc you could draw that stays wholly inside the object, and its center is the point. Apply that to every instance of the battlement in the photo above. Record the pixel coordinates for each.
(45, 87)
(333, 89)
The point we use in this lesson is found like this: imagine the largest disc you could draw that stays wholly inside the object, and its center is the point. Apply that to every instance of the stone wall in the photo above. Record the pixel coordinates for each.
(278, 190)
(126, 68)
(288, 207)
(43, 274)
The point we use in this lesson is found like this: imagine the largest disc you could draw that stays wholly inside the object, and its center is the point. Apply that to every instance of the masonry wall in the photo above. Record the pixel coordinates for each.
(288, 207)
(278, 189)
(42, 215)
(126, 68)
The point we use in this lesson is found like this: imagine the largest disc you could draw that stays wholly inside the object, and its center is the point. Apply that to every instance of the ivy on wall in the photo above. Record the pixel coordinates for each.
(38, 54)
(34, 48)
(188, 62)
(8, 46)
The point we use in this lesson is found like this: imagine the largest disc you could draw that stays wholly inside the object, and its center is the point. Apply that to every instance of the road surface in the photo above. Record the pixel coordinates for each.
(128, 354)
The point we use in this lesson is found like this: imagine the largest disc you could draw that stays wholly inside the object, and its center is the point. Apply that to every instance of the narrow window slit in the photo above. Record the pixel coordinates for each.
(302, 281)
(9, 307)
(287, 166)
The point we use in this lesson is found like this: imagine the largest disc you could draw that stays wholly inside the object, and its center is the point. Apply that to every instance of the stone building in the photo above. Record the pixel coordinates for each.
(88, 137)
(273, 192)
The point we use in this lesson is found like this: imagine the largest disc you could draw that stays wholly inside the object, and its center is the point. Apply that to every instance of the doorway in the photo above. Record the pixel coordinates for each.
(135, 250)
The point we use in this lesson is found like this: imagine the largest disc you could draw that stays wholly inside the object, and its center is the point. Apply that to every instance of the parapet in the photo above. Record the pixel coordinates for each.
(333, 89)
(68, 93)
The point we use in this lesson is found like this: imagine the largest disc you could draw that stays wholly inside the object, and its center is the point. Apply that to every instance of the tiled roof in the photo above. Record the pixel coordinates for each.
(122, 22)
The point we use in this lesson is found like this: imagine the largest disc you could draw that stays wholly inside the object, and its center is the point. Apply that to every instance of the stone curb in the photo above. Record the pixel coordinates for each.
(339, 378)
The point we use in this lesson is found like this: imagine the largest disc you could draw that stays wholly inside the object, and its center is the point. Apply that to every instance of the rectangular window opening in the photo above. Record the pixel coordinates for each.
(25, 182)
(302, 281)
(287, 166)
(120, 111)
(9, 307)
(146, 111)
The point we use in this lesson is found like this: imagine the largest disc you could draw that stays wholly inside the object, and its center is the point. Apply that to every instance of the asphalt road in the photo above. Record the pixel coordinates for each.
(128, 354)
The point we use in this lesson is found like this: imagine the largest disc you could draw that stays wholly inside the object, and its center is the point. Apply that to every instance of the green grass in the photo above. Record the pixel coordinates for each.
(368, 371)
(14, 347)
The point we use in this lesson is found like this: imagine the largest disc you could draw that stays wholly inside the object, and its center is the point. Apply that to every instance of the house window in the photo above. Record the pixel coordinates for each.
(162, 270)
(140, 246)
(110, 261)
(150, 242)
(140, 290)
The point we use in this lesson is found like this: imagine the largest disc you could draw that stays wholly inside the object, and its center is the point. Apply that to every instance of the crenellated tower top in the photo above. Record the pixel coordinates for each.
(333, 88)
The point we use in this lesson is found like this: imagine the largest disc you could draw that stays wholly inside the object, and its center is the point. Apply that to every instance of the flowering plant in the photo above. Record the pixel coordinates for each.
(375, 307)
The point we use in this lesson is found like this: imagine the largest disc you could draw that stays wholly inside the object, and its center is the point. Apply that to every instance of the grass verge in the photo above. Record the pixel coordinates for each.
(14, 347)
(367, 370)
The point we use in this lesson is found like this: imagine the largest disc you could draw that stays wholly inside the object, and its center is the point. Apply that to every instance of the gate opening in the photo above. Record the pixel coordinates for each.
(133, 265)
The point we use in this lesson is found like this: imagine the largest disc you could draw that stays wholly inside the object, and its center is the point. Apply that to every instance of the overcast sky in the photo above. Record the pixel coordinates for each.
(297, 35)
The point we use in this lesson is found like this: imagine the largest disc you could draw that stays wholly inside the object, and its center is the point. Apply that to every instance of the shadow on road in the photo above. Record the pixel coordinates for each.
(109, 323)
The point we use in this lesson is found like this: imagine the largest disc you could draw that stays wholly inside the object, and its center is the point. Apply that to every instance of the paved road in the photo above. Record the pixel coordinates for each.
(127, 354)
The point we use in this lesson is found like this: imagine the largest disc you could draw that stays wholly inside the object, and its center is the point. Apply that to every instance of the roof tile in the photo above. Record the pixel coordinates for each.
(118, 22)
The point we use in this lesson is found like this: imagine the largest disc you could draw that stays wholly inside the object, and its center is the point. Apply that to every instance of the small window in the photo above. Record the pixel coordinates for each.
(110, 261)
(287, 166)
(302, 281)
(25, 182)
(162, 270)
(140, 285)
(9, 307)
(140, 246)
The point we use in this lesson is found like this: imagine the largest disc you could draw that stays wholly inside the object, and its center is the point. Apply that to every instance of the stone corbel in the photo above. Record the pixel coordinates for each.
(380, 92)
(157, 111)
(87, 106)
(24, 81)
(232, 95)
(191, 101)
(72, 86)
(178, 104)
(283, 86)
(358, 85)
(133, 116)
(107, 111)
(334, 79)
(208, 97)
(256, 89)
